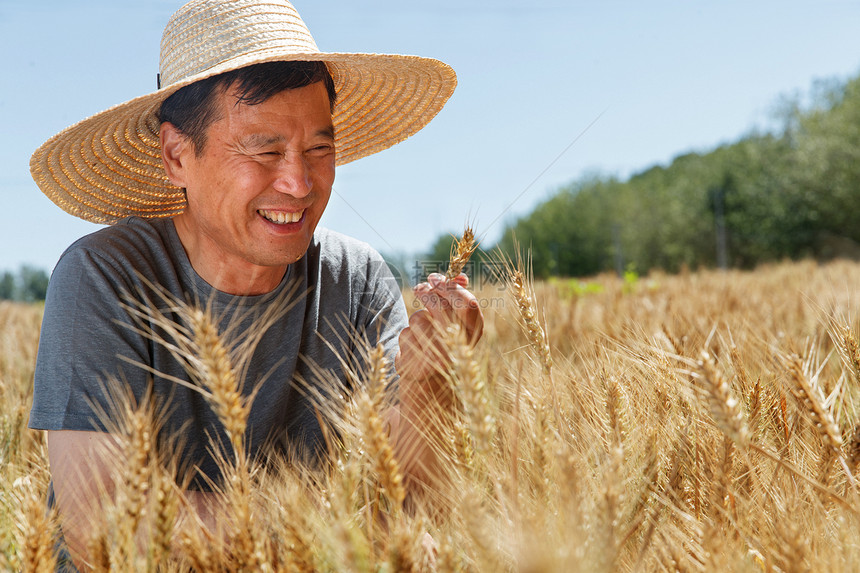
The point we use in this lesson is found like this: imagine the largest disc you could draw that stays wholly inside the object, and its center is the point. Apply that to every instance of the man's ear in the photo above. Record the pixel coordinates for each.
(176, 149)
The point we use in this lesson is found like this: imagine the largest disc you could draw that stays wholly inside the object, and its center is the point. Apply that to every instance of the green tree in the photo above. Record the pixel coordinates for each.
(570, 233)
(793, 192)
(440, 250)
(8, 287)
(826, 143)
(33, 283)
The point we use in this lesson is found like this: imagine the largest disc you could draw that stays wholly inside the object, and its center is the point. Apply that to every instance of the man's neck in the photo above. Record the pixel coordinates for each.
(225, 273)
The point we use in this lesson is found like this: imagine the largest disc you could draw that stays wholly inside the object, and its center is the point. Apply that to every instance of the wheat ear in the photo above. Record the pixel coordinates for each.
(137, 446)
(807, 395)
(300, 557)
(461, 252)
(852, 349)
(165, 510)
(134, 477)
(36, 532)
(219, 376)
(523, 294)
(376, 439)
(723, 406)
(854, 449)
(534, 329)
(99, 553)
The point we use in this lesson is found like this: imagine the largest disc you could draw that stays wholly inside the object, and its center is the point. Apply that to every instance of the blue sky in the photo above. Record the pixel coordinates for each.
(549, 91)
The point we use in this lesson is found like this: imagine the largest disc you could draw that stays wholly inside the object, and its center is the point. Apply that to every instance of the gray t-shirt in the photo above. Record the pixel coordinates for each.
(340, 288)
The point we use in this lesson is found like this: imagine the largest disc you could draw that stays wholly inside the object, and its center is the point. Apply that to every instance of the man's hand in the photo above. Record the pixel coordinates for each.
(422, 349)
(418, 423)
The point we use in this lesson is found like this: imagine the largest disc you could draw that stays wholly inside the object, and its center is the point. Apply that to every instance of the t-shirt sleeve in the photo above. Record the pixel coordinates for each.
(85, 331)
(383, 306)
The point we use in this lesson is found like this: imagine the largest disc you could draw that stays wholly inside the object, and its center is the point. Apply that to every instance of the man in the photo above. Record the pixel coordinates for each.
(214, 186)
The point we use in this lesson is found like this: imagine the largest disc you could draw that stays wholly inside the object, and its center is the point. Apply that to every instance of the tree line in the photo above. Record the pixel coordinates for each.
(792, 192)
(29, 284)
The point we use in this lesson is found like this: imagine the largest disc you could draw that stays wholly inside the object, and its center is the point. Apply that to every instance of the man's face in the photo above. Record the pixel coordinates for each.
(260, 186)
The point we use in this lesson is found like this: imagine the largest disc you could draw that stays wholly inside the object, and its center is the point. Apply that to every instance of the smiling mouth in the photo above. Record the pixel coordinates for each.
(281, 217)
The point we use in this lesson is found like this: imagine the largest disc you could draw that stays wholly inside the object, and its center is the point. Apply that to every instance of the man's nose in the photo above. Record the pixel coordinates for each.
(293, 175)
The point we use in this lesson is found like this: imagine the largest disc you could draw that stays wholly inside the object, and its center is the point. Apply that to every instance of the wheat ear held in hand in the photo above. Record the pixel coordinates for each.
(461, 251)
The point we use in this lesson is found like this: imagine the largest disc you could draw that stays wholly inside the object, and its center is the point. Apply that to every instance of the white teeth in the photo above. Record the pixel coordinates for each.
(281, 217)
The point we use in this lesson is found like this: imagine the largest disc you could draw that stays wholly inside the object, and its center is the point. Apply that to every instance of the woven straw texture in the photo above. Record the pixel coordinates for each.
(108, 166)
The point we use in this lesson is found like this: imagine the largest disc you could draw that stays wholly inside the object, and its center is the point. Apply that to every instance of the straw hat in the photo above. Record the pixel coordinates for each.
(109, 166)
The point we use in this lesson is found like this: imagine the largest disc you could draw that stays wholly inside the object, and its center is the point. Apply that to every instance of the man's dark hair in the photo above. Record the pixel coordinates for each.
(192, 109)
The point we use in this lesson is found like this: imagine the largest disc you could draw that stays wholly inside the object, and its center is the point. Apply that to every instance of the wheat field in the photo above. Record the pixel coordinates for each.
(706, 421)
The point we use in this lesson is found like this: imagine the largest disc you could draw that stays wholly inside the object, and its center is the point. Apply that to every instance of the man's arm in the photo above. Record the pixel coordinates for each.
(79, 472)
(82, 475)
(420, 421)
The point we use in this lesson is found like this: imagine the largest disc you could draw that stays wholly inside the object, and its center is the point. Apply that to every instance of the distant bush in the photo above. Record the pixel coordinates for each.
(28, 285)
(791, 192)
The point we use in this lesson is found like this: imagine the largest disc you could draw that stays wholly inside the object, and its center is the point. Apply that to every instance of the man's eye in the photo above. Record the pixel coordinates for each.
(321, 149)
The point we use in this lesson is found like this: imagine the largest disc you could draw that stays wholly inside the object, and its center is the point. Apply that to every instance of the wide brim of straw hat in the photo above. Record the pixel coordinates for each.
(108, 166)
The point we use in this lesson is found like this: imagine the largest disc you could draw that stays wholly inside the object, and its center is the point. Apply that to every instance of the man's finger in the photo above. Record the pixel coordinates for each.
(448, 300)
(454, 295)
(432, 300)
(462, 279)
